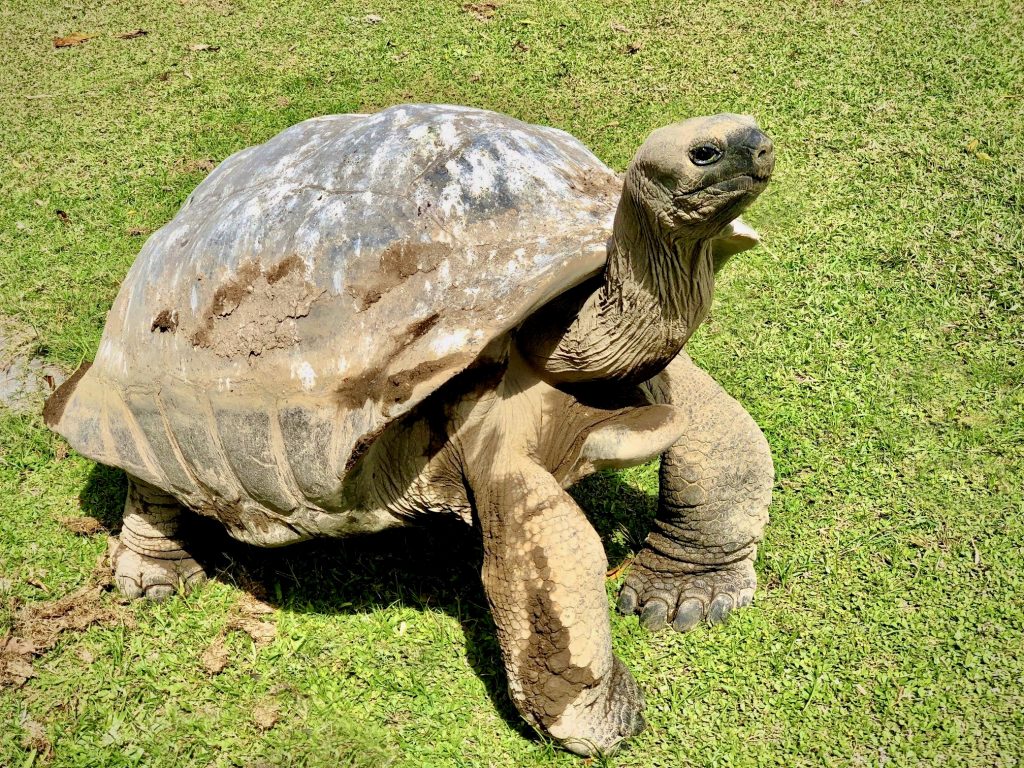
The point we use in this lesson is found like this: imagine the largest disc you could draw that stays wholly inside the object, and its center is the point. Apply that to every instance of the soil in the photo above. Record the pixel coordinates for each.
(83, 526)
(39, 625)
(55, 404)
(398, 262)
(256, 311)
(394, 388)
(166, 320)
(25, 378)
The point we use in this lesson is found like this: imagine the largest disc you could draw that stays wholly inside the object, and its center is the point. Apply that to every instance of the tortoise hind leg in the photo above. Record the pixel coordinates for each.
(151, 560)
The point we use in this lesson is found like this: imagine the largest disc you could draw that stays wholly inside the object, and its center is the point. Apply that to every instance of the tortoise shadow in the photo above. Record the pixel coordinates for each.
(434, 567)
(102, 497)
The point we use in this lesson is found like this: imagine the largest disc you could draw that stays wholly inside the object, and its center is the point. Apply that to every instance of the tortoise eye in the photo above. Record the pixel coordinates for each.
(705, 154)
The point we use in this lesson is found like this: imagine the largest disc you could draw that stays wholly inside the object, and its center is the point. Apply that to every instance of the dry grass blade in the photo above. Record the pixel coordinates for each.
(615, 572)
(76, 38)
(38, 626)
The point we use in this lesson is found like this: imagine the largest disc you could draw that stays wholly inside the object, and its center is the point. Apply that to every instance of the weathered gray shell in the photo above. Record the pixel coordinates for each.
(314, 288)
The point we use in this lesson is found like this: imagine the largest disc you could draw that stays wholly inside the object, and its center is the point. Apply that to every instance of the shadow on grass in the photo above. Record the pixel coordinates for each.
(432, 566)
(103, 496)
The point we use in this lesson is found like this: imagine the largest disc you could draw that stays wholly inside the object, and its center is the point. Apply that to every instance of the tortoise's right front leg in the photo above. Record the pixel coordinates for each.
(544, 573)
(151, 559)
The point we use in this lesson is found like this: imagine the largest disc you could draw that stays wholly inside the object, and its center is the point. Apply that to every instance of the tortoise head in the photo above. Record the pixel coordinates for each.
(691, 178)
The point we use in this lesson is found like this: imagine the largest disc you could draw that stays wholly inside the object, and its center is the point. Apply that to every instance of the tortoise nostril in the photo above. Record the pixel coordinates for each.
(757, 143)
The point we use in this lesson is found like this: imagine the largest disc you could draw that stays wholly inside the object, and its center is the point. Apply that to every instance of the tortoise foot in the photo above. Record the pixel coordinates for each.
(150, 559)
(663, 592)
(137, 575)
(599, 725)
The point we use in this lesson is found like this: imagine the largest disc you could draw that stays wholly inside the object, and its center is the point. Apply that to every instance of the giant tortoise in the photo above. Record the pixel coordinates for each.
(441, 311)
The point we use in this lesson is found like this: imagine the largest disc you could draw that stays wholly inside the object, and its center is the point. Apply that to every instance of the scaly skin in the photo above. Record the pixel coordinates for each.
(716, 485)
(544, 565)
(630, 324)
(543, 573)
(150, 560)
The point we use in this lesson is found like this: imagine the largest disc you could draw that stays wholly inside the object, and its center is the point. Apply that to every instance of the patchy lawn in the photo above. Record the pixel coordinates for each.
(876, 337)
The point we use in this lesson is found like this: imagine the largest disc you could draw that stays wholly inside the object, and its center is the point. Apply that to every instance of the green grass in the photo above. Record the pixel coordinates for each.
(876, 337)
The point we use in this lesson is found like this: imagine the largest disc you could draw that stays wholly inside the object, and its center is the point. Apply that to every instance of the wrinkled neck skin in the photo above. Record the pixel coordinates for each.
(628, 323)
(675, 272)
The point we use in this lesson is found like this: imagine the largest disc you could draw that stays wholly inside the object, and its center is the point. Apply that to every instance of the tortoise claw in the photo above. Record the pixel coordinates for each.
(685, 599)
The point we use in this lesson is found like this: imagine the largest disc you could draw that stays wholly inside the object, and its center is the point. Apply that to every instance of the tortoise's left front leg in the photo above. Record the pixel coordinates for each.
(716, 485)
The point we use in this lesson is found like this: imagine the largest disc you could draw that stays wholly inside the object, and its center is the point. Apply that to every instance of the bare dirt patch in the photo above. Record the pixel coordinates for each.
(25, 378)
(481, 11)
(38, 626)
(248, 616)
(215, 658)
(83, 526)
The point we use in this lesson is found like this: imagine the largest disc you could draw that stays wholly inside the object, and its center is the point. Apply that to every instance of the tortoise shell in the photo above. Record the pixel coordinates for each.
(317, 287)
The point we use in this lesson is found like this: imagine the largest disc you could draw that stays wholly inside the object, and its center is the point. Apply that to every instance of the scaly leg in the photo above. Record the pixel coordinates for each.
(151, 560)
(544, 577)
(716, 483)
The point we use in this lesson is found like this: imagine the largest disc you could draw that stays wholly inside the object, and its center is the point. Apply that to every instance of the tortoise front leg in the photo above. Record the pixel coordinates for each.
(716, 485)
(151, 560)
(544, 572)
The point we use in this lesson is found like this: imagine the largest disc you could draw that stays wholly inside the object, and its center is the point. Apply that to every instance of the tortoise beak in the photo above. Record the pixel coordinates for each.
(761, 151)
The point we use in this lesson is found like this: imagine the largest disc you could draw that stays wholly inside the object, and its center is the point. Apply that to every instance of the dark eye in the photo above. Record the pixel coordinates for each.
(705, 154)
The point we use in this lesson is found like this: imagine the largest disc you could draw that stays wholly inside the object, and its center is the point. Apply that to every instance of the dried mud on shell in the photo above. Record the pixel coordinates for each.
(252, 311)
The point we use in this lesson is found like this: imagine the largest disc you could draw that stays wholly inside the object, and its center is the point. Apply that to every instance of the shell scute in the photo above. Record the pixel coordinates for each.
(172, 474)
(193, 429)
(308, 431)
(256, 457)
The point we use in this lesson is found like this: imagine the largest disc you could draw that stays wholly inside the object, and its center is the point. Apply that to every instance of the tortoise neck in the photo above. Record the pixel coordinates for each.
(631, 321)
(659, 280)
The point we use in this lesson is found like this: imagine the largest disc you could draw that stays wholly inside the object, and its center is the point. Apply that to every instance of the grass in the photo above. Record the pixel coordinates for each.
(876, 337)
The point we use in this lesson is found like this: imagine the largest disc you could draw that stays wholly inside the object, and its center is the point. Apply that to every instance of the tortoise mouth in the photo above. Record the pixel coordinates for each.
(724, 200)
(744, 182)
(721, 200)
